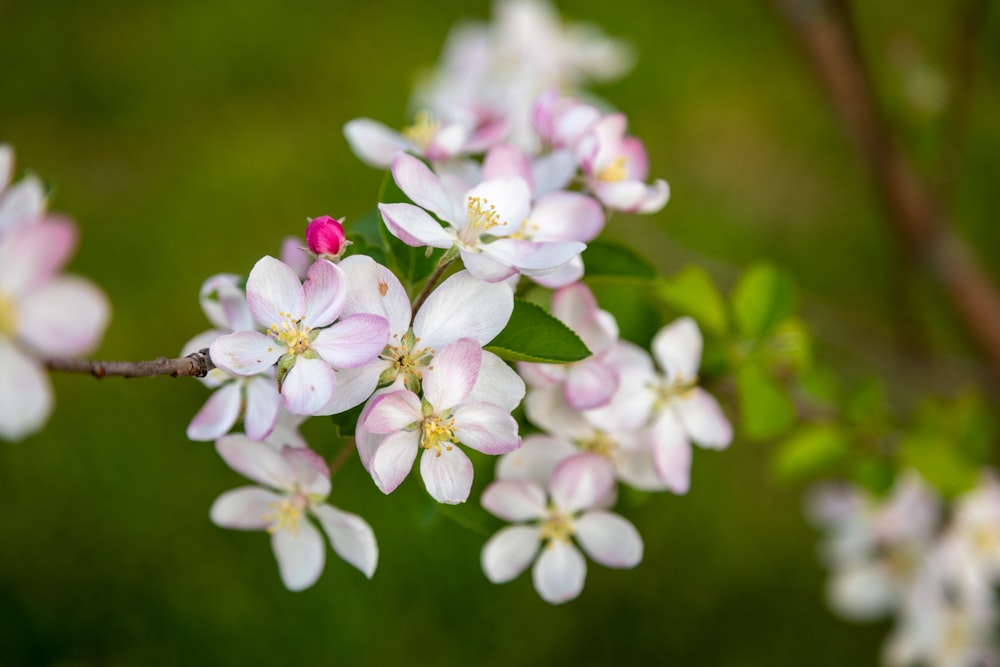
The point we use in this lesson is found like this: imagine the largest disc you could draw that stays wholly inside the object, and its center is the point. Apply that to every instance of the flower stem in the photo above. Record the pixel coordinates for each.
(345, 453)
(446, 259)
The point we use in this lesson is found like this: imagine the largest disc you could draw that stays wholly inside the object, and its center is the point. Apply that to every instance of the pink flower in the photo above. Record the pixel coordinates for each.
(437, 423)
(298, 483)
(42, 314)
(300, 338)
(573, 510)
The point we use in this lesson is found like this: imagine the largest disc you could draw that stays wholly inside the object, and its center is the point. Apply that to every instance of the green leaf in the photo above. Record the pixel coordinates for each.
(808, 452)
(411, 265)
(941, 463)
(611, 260)
(534, 334)
(692, 292)
(763, 297)
(766, 408)
(636, 312)
(365, 236)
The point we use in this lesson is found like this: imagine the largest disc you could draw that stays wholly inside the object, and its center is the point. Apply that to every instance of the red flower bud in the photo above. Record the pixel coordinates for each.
(325, 236)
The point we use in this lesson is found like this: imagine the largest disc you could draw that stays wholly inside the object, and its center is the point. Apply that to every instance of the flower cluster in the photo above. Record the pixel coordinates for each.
(897, 556)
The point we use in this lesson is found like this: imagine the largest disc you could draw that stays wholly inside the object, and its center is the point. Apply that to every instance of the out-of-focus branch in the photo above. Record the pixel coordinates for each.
(196, 364)
(826, 32)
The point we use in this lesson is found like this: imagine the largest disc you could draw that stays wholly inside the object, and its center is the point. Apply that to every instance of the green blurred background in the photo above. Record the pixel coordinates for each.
(188, 138)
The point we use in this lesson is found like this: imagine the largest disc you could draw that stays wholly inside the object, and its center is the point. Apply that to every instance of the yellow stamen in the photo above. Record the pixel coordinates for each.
(290, 332)
(601, 444)
(557, 528)
(8, 316)
(437, 433)
(423, 129)
(614, 172)
(287, 514)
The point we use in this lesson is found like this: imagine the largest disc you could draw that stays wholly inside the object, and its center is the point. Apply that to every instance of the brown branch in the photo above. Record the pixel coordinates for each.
(196, 364)
(826, 32)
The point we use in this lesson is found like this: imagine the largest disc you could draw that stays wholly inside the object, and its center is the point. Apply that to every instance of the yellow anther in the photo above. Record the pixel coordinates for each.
(423, 129)
(483, 215)
(8, 316)
(601, 444)
(437, 434)
(287, 514)
(614, 172)
(557, 528)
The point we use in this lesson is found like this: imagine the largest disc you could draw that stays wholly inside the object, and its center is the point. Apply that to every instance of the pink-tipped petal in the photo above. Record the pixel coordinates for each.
(553, 171)
(65, 316)
(350, 536)
(566, 216)
(452, 374)
(245, 508)
(308, 387)
(567, 274)
(375, 290)
(497, 383)
(671, 453)
(485, 267)
(422, 187)
(274, 293)
(393, 459)
(559, 572)
(656, 197)
(352, 341)
(312, 475)
(256, 461)
(582, 481)
(263, 404)
(463, 307)
(591, 384)
(535, 459)
(514, 500)
(393, 412)
(532, 256)
(486, 428)
(295, 255)
(31, 254)
(509, 553)
(704, 420)
(609, 539)
(25, 393)
(325, 290)
(301, 555)
(374, 143)
(245, 352)
(218, 415)
(447, 475)
(414, 227)
(507, 161)
(677, 349)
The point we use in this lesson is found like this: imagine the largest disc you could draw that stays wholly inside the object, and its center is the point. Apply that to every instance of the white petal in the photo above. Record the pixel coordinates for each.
(218, 415)
(553, 171)
(350, 536)
(24, 200)
(486, 428)
(591, 384)
(325, 290)
(31, 254)
(703, 419)
(509, 553)
(447, 475)
(422, 187)
(393, 459)
(485, 267)
(225, 304)
(353, 341)
(862, 593)
(274, 293)
(414, 227)
(609, 539)
(25, 394)
(497, 383)
(255, 460)
(308, 387)
(547, 408)
(511, 199)
(677, 348)
(374, 289)
(582, 481)
(535, 459)
(566, 216)
(301, 555)
(671, 453)
(452, 374)
(245, 508)
(263, 404)
(354, 386)
(533, 257)
(374, 143)
(392, 412)
(66, 316)
(514, 500)
(559, 572)
(463, 307)
(567, 274)
(245, 352)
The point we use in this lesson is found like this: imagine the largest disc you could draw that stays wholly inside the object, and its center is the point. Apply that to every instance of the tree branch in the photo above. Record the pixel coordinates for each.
(826, 33)
(196, 364)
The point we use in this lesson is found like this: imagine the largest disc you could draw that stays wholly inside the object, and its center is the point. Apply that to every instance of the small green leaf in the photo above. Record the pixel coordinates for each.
(941, 464)
(533, 334)
(611, 260)
(411, 265)
(692, 292)
(763, 297)
(810, 451)
(766, 408)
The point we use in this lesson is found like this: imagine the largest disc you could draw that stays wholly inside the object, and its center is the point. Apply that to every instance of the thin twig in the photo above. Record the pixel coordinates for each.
(196, 364)
(345, 453)
(432, 281)
(827, 34)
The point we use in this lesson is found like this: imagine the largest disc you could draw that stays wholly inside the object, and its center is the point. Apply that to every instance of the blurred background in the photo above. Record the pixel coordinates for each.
(188, 138)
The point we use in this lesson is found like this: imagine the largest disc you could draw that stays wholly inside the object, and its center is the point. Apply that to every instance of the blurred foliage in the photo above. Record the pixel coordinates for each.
(189, 138)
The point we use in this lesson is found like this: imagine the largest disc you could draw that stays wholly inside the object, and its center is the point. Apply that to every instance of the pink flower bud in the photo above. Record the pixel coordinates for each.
(325, 236)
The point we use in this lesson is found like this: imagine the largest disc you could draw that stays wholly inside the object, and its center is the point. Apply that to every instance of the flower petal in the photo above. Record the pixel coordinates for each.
(301, 555)
(245, 508)
(559, 572)
(225, 304)
(375, 144)
(245, 352)
(609, 539)
(535, 459)
(422, 187)
(532, 256)
(671, 453)
(591, 384)
(308, 386)
(376, 290)
(274, 293)
(447, 474)
(263, 404)
(486, 428)
(218, 415)
(393, 459)
(508, 198)
(325, 290)
(509, 553)
(25, 393)
(393, 412)
(582, 481)
(354, 386)
(352, 341)
(256, 461)
(485, 267)
(507, 161)
(463, 307)
(704, 420)
(452, 374)
(515, 500)
(350, 536)
(31, 254)
(566, 216)
(24, 200)
(497, 383)
(414, 227)
(677, 349)
(65, 316)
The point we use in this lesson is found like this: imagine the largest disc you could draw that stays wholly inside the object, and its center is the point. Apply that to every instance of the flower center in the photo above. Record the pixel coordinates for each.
(287, 513)
(985, 540)
(408, 361)
(614, 172)
(482, 216)
(557, 528)
(601, 444)
(8, 316)
(679, 387)
(423, 129)
(292, 333)
(437, 433)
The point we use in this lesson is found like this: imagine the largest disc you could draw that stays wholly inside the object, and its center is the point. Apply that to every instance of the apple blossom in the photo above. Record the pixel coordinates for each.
(297, 484)
(572, 508)
(21, 202)
(300, 338)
